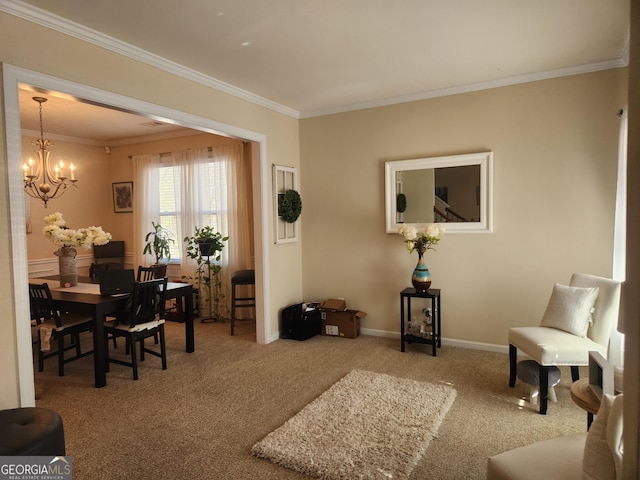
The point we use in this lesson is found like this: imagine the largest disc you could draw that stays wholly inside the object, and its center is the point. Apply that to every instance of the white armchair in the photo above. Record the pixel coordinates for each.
(596, 455)
(579, 318)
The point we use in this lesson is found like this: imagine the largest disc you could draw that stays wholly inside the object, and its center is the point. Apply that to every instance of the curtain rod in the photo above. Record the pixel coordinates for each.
(166, 154)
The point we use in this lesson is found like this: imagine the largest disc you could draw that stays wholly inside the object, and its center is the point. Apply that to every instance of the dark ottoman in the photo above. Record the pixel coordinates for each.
(31, 431)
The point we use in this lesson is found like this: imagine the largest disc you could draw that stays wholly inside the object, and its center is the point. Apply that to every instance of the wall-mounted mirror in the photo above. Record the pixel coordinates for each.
(455, 190)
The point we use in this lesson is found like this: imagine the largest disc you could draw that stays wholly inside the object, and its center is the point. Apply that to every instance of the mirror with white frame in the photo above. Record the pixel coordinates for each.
(455, 190)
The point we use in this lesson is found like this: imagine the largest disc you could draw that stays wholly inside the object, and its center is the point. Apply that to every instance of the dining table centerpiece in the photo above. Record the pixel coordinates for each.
(68, 240)
(421, 241)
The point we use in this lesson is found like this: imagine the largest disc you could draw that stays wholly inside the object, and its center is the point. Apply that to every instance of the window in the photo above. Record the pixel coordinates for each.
(171, 200)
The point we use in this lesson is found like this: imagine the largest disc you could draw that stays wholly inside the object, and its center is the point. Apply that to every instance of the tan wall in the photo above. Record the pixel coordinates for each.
(555, 150)
(35, 48)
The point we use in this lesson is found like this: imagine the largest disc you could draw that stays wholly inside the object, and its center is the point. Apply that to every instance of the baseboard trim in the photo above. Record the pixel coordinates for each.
(452, 342)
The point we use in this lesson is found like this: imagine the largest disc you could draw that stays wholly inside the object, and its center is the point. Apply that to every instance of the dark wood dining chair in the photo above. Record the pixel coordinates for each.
(141, 318)
(173, 309)
(151, 273)
(107, 257)
(56, 326)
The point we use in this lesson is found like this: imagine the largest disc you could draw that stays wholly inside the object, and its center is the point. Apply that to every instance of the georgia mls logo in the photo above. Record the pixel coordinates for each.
(34, 468)
(62, 468)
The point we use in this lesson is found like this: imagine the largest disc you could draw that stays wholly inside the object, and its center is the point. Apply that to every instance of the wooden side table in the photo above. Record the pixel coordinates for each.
(435, 337)
(583, 396)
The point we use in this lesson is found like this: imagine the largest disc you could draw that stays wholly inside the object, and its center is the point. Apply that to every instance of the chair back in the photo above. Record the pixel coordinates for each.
(111, 253)
(146, 302)
(605, 315)
(41, 303)
(151, 273)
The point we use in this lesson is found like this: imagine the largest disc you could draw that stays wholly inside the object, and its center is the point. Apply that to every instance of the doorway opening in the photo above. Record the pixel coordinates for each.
(13, 77)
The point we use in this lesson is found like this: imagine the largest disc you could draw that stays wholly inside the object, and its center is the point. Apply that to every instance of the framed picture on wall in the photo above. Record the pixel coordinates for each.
(123, 197)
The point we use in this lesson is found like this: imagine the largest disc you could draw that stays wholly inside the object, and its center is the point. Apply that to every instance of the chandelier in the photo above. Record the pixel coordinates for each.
(40, 181)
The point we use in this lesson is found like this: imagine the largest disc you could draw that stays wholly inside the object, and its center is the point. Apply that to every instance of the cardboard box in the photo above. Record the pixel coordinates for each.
(334, 304)
(345, 323)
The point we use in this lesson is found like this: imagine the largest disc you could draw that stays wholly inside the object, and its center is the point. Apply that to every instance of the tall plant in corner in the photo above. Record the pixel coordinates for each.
(205, 247)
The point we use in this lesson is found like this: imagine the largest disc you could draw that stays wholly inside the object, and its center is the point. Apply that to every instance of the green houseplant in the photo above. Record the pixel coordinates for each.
(205, 247)
(158, 242)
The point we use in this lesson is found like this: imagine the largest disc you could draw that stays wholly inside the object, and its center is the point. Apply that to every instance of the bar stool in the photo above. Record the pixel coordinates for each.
(241, 277)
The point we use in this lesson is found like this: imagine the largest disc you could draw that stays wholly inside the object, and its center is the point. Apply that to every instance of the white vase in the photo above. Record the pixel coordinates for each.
(67, 266)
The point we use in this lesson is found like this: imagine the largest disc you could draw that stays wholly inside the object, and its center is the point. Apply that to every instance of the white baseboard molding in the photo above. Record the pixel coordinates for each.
(488, 347)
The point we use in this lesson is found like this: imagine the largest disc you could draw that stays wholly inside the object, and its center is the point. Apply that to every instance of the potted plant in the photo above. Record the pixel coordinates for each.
(158, 244)
(208, 240)
(205, 247)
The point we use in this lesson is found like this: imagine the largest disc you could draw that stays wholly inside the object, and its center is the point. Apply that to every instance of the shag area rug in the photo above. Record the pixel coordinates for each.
(367, 425)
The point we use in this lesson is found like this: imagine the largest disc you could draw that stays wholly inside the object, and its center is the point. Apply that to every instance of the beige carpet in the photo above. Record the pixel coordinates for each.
(199, 419)
(367, 425)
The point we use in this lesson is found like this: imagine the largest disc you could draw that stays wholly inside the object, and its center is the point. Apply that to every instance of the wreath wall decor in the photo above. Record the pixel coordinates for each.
(401, 202)
(286, 204)
(289, 206)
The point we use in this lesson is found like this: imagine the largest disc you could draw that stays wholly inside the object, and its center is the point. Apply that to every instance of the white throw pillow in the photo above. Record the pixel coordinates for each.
(570, 309)
(597, 462)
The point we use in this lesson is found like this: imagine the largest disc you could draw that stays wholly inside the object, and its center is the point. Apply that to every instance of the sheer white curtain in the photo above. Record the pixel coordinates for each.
(194, 200)
(146, 202)
(620, 232)
(238, 204)
(616, 344)
(206, 180)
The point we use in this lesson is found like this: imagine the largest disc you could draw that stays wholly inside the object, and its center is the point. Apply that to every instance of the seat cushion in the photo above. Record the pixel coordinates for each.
(558, 458)
(550, 346)
(244, 277)
(114, 324)
(569, 309)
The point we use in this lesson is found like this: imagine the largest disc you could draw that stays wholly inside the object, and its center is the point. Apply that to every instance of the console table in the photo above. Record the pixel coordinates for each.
(433, 337)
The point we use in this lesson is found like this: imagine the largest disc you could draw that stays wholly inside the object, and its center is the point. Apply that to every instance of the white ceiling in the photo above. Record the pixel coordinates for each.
(326, 56)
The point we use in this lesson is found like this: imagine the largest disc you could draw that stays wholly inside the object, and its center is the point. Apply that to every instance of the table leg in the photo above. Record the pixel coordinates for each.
(401, 323)
(439, 316)
(435, 326)
(99, 345)
(188, 322)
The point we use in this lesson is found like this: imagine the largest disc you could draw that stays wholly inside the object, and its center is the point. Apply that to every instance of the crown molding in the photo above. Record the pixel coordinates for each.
(62, 138)
(115, 143)
(623, 61)
(62, 25)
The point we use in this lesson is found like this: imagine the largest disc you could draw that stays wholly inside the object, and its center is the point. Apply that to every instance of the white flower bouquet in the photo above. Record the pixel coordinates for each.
(60, 235)
(421, 241)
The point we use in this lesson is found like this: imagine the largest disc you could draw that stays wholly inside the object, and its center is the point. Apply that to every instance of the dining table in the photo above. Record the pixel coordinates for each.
(85, 297)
